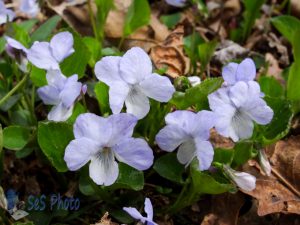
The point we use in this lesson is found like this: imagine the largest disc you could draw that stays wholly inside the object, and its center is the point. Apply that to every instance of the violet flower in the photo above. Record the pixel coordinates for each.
(236, 107)
(133, 212)
(60, 92)
(17, 51)
(130, 80)
(189, 131)
(101, 140)
(177, 3)
(29, 7)
(5, 14)
(48, 55)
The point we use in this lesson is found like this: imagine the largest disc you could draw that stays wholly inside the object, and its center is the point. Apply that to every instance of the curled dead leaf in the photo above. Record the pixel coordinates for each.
(171, 55)
(105, 220)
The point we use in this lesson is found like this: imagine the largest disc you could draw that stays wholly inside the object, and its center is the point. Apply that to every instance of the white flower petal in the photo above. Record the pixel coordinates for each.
(104, 169)
(118, 92)
(246, 70)
(229, 73)
(137, 103)
(157, 87)
(61, 45)
(60, 113)
(71, 91)
(134, 213)
(242, 126)
(186, 152)
(15, 44)
(135, 65)
(239, 94)
(194, 80)
(148, 209)
(205, 154)
(184, 119)
(56, 79)
(49, 95)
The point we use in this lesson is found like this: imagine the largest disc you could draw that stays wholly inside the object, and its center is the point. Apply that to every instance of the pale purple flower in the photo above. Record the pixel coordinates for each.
(194, 80)
(236, 107)
(189, 131)
(101, 140)
(130, 80)
(138, 216)
(29, 7)
(234, 72)
(5, 14)
(177, 3)
(60, 92)
(17, 51)
(243, 180)
(48, 55)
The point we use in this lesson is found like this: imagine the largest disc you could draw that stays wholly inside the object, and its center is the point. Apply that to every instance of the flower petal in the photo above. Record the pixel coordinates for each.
(56, 79)
(122, 127)
(79, 152)
(246, 70)
(6, 14)
(194, 80)
(219, 100)
(29, 7)
(92, 126)
(176, 3)
(107, 69)
(104, 169)
(205, 154)
(60, 113)
(15, 44)
(148, 209)
(239, 94)
(134, 213)
(118, 92)
(135, 65)
(49, 95)
(137, 103)
(186, 152)
(170, 137)
(40, 55)
(135, 152)
(229, 73)
(61, 45)
(242, 126)
(184, 119)
(157, 87)
(205, 121)
(70, 91)
(260, 112)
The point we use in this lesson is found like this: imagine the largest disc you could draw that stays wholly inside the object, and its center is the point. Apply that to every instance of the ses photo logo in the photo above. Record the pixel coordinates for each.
(19, 209)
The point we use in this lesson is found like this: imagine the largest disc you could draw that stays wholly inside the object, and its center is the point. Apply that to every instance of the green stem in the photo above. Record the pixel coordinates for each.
(12, 91)
(93, 21)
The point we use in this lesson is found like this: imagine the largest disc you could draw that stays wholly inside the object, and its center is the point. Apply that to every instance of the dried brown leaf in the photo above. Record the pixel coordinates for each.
(105, 220)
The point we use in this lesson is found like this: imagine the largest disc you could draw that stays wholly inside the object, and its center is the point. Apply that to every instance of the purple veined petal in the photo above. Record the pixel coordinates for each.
(239, 94)
(246, 70)
(60, 113)
(176, 3)
(122, 127)
(148, 209)
(79, 152)
(219, 99)
(56, 79)
(71, 91)
(229, 73)
(205, 153)
(104, 170)
(29, 7)
(241, 126)
(61, 45)
(184, 119)
(137, 103)
(135, 65)
(134, 152)
(49, 95)
(206, 121)
(186, 152)
(15, 44)
(40, 55)
(170, 137)
(157, 87)
(118, 92)
(260, 112)
(107, 70)
(94, 127)
(134, 213)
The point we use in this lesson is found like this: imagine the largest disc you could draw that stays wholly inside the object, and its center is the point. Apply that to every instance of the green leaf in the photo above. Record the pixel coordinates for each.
(281, 122)
(179, 101)
(1, 139)
(128, 178)
(2, 44)
(78, 109)
(15, 137)
(94, 47)
(205, 52)
(271, 87)
(103, 8)
(171, 20)
(28, 24)
(76, 63)
(45, 30)
(137, 16)
(53, 139)
(168, 167)
(38, 76)
(243, 151)
(21, 35)
(101, 91)
(286, 25)
(224, 156)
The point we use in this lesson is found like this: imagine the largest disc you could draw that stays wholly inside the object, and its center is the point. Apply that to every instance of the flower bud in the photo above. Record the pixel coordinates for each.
(264, 162)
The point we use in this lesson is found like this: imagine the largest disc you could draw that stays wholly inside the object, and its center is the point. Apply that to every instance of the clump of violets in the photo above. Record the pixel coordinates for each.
(61, 92)
(29, 7)
(189, 131)
(138, 216)
(6, 15)
(130, 80)
(236, 106)
(102, 141)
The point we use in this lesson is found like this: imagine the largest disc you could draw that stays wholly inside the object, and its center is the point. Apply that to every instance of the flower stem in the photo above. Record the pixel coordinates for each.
(12, 91)
(93, 21)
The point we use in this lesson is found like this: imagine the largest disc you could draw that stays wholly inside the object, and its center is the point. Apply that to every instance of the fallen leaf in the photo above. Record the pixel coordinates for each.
(295, 7)
(105, 220)
(170, 54)
(219, 141)
(274, 68)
